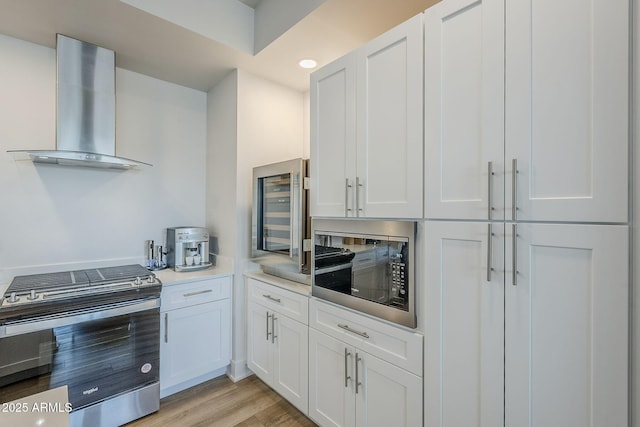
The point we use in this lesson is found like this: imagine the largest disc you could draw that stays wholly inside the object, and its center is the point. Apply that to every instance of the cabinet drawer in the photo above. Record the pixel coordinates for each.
(398, 346)
(285, 302)
(198, 292)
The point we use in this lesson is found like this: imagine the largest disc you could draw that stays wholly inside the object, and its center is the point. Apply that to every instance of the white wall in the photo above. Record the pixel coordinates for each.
(54, 217)
(252, 122)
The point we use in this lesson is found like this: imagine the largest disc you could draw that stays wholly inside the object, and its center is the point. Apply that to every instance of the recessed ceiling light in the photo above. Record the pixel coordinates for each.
(308, 63)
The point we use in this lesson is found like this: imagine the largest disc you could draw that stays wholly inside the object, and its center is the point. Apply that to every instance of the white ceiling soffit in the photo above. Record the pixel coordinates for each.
(245, 25)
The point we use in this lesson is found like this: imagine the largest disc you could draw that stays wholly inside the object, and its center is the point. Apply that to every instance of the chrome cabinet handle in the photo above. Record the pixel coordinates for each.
(166, 327)
(514, 189)
(346, 367)
(514, 261)
(273, 328)
(358, 383)
(267, 322)
(191, 294)
(272, 298)
(348, 328)
(489, 250)
(347, 209)
(489, 189)
(358, 185)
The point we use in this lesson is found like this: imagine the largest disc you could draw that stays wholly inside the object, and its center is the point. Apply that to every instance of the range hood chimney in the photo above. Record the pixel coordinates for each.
(86, 107)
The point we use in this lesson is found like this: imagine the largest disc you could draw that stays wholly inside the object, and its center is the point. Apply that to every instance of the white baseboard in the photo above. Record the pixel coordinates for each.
(238, 370)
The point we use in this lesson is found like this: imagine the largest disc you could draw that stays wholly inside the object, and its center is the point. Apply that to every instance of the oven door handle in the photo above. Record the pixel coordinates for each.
(69, 318)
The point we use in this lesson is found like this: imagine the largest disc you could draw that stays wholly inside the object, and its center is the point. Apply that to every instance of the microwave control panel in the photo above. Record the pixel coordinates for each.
(399, 280)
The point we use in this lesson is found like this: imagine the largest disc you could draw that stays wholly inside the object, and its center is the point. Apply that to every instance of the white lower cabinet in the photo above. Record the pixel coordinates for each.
(526, 324)
(195, 332)
(349, 386)
(277, 345)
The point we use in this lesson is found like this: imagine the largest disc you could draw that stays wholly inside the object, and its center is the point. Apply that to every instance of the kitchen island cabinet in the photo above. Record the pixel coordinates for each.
(362, 372)
(195, 332)
(277, 339)
(366, 129)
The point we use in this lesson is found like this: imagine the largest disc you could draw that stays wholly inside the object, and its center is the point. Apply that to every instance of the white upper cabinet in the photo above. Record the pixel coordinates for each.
(549, 98)
(567, 85)
(366, 129)
(333, 134)
(464, 110)
(389, 124)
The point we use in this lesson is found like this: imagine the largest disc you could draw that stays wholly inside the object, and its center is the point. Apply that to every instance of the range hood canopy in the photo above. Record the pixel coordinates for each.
(86, 108)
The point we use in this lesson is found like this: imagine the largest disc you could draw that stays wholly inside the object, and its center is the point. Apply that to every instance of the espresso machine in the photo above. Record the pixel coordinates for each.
(188, 248)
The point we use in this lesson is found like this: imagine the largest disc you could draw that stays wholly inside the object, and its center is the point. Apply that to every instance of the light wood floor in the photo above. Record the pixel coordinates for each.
(221, 402)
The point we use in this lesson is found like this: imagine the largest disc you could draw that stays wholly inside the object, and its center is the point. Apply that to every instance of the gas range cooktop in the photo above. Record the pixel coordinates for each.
(51, 292)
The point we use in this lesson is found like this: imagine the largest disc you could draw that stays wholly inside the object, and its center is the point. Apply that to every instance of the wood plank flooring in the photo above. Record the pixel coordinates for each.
(223, 403)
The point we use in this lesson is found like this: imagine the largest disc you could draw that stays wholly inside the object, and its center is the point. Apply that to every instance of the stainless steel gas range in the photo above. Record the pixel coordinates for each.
(95, 331)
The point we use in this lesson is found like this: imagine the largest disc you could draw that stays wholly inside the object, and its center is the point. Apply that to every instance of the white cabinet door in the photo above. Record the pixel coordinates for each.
(464, 338)
(464, 110)
(567, 104)
(331, 376)
(291, 370)
(389, 131)
(259, 353)
(195, 341)
(566, 325)
(385, 394)
(333, 136)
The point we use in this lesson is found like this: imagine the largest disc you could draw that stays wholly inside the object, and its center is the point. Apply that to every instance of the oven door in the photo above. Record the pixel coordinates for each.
(97, 353)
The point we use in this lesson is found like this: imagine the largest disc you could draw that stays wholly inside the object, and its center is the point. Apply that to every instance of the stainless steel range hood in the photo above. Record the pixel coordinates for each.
(86, 107)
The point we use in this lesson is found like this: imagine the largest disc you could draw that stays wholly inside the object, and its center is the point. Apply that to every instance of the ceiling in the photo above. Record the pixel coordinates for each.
(147, 44)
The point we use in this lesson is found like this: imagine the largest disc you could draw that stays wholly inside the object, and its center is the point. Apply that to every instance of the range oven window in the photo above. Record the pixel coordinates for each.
(96, 359)
(367, 267)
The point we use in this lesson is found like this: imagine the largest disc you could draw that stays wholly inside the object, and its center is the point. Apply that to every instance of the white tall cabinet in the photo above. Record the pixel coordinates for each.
(366, 129)
(526, 200)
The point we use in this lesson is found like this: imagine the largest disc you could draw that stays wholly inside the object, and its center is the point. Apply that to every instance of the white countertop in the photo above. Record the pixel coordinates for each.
(168, 277)
(296, 287)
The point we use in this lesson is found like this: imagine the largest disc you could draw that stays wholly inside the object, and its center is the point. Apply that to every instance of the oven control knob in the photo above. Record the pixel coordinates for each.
(13, 298)
(32, 295)
(138, 281)
(150, 279)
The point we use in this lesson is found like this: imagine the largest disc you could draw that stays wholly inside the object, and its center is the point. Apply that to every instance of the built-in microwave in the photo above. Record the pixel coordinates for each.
(280, 224)
(367, 265)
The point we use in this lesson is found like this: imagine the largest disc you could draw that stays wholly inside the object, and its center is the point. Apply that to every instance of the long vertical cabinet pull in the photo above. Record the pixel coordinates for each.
(358, 185)
(514, 189)
(346, 368)
(273, 328)
(166, 327)
(267, 322)
(514, 261)
(489, 250)
(489, 189)
(347, 209)
(358, 383)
